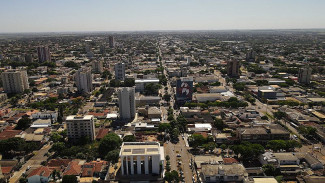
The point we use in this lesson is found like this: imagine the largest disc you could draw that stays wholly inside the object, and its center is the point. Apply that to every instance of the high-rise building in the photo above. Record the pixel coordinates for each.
(120, 71)
(83, 79)
(251, 56)
(126, 102)
(15, 81)
(304, 75)
(44, 54)
(111, 41)
(97, 66)
(184, 89)
(233, 68)
(80, 126)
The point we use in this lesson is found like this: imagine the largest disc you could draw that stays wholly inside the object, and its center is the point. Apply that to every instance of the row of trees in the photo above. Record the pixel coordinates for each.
(232, 102)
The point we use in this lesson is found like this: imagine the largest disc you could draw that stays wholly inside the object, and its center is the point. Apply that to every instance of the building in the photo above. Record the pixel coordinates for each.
(287, 162)
(15, 81)
(223, 173)
(126, 102)
(184, 89)
(80, 126)
(40, 175)
(111, 41)
(266, 92)
(141, 158)
(83, 79)
(251, 56)
(140, 84)
(233, 68)
(97, 66)
(43, 53)
(304, 75)
(119, 71)
(262, 134)
(53, 115)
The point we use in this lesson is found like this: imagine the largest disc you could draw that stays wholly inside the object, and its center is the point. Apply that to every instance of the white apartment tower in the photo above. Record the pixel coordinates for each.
(120, 71)
(126, 102)
(80, 126)
(15, 81)
(83, 79)
(304, 75)
(97, 66)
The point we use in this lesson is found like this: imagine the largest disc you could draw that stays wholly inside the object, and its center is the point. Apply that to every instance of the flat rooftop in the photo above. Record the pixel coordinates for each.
(76, 118)
(140, 148)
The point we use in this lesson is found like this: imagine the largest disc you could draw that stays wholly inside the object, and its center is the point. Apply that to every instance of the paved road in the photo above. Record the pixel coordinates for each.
(33, 162)
(180, 148)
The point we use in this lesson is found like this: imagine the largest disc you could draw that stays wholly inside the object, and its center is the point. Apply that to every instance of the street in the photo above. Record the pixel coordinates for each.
(33, 162)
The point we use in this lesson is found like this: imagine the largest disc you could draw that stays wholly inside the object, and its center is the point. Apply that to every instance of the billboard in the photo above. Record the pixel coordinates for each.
(184, 89)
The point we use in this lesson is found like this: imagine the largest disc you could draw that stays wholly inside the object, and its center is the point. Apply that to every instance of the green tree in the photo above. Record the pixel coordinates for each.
(109, 143)
(269, 169)
(24, 123)
(219, 124)
(69, 179)
(196, 140)
(172, 176)
(129, 138)
(58, 147)
(279, 115)
(164, 127)
(112, 156)
(129, 82)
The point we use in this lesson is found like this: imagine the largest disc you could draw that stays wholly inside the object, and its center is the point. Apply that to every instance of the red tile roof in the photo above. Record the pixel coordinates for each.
(6, 134)
(229, 160)
(6, 170)
(41, 171)
(73, 168)
(101, 133)
(58, 162)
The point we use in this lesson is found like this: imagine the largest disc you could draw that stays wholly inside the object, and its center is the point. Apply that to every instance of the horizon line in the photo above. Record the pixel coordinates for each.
(157, 30)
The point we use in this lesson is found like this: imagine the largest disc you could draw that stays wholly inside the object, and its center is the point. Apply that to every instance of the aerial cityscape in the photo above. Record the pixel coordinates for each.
(167, 103)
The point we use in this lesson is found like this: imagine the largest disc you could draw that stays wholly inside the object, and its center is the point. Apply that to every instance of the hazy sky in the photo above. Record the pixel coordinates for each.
(128, 15)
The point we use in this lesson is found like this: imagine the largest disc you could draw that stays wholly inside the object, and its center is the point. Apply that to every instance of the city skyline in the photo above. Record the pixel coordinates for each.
(144, 15)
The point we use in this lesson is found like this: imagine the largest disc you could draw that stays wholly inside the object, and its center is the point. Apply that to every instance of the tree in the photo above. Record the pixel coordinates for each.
(264, 118)
(219, 124)
(279, 115)
(223, 146)
(167, 97)
(109, 143)
(71, 64)
(58, 147)
(151, 89)
(269, 169)
(112, 156)
(24, 123)
(129, 138)
(69, 179)
(196, 140)
(248, 151)
(23, 180)
(164, 127)
(129, 82)
(172, 176)
(167, 158)
(209, 146)
(56, 137)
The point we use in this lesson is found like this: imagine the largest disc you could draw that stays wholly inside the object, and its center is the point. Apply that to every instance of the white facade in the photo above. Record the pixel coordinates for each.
(80, 126)
(46, 115)
(141, 158)
(126, 102)
(119, 71)
(15, 81)
(83, 80)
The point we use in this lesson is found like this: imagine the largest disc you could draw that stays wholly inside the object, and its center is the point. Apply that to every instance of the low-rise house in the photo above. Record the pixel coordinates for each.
(52, 115)
(40, 175)
(288, 162)
(41, 123)
(262, 134)
(223, 173)
(199, 127)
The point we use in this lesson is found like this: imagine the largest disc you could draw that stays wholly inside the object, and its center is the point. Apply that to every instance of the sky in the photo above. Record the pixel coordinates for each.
(139, 15)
